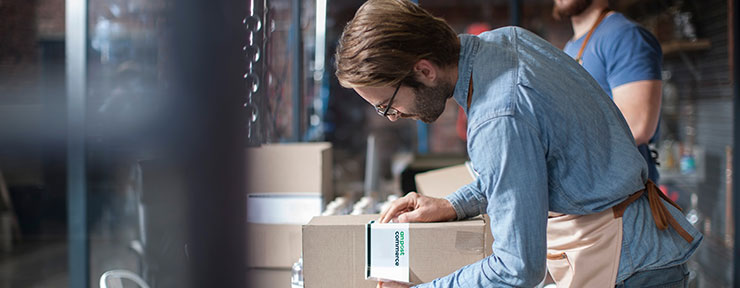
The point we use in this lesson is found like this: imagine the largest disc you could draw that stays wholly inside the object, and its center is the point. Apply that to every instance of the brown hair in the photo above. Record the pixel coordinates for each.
(386, 38)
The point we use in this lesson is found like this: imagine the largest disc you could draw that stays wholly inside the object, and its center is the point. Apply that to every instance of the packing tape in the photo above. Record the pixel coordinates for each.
(469, 242)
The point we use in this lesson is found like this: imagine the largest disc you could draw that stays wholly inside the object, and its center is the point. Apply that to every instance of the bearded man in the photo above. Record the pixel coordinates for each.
(625, 59)
(559, 173)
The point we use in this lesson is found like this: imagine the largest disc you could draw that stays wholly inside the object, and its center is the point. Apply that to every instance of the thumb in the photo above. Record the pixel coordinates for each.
(412, 216)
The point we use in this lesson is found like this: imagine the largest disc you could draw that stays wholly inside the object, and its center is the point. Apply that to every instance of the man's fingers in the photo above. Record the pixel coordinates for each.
(412, 216)
(397, 207)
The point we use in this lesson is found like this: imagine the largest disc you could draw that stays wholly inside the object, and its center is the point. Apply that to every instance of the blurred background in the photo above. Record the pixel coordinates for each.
(131, 131)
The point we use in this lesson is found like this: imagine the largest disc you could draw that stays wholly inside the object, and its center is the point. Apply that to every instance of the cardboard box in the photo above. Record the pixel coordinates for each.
(288, 184)
(274, 227)
(268, 278)
(334, 249)
(442, 182)
(273, 245)
(291, 168)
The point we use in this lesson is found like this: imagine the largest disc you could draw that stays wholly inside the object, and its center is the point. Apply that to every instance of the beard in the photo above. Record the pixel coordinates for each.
(567, 10)
(430, 102)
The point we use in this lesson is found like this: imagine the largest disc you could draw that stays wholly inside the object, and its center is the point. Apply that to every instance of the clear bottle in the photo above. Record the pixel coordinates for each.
(296, 277)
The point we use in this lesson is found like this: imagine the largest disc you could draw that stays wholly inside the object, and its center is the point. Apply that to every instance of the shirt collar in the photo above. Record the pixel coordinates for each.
(468, 49)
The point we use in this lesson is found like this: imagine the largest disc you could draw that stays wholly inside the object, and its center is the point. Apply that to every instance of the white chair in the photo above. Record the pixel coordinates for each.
(115, 277)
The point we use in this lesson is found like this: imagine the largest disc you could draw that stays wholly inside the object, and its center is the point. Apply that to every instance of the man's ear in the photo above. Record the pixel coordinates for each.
(426, 72)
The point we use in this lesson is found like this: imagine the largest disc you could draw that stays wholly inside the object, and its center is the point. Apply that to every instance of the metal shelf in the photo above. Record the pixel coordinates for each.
(674, 47)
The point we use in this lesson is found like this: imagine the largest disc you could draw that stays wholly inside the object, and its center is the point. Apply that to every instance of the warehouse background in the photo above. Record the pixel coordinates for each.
(140, 121)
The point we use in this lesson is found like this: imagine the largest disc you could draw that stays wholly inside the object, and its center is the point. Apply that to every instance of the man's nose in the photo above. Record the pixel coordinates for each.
(393, 117)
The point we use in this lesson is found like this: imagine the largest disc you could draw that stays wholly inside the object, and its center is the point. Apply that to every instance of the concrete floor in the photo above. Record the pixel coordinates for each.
(35, 264)
(42, 263)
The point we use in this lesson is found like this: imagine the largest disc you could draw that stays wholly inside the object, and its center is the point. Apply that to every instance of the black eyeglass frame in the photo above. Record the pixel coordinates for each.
(387, 110)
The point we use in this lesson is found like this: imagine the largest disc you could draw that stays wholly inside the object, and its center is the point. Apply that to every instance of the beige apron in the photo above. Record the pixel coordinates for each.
(592, 243)
(584, 250)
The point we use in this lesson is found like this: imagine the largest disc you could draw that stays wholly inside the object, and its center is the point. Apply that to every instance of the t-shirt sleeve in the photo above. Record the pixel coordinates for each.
(635, 55)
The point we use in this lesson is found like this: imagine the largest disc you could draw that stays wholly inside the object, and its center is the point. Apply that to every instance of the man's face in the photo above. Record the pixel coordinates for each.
(430, 101)
(425, 103)
(568, 8)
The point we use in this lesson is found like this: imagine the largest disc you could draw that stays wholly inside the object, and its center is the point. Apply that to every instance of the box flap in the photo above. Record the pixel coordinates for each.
(442, 182)
(340, 220)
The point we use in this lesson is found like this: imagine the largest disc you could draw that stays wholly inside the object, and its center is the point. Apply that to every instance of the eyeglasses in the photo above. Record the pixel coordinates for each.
(388, 111)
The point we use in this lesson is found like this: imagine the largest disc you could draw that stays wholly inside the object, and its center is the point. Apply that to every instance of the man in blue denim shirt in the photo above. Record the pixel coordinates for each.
(543, 136)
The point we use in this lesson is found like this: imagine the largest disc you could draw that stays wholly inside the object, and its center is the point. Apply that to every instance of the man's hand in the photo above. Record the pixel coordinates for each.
(418, 208)
(392, 285)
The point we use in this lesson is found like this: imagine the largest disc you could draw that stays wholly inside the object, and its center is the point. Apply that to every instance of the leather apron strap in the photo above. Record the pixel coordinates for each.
(579, 58)
(661, 215)
(470, 91)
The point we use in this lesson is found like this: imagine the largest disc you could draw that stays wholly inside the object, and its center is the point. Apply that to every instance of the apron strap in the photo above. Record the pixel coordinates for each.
(579, 58)
(661, 215)
(470, 91)
(621, 207)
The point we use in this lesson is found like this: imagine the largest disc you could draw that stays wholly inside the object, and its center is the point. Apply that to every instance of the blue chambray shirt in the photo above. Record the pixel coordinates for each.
(543, 136)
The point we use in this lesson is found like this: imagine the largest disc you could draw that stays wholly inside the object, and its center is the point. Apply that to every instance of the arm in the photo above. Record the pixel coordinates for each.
(633, 67)
(468, 201)
(510, 159)
(639, 103)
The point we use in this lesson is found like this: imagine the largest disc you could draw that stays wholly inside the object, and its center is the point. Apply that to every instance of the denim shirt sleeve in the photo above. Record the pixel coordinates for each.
(468, 201)
(510, 158)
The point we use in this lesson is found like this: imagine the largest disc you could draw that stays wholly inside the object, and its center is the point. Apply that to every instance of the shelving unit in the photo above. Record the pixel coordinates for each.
(677, 46)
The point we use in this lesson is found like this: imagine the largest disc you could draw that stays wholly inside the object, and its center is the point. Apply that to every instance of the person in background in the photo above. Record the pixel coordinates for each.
(558, 171)
(625, 59)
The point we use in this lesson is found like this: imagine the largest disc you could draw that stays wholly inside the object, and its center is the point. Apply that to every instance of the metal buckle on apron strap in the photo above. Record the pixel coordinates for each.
(661, 215)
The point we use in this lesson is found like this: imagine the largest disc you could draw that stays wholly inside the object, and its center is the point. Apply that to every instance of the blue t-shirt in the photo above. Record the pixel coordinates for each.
(619, 52)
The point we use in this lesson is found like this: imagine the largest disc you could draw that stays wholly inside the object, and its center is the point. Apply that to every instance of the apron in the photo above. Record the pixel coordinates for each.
(584, 250)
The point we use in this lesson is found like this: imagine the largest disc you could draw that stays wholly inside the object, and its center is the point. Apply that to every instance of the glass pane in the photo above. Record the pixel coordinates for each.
(127, 60)
(33, 250)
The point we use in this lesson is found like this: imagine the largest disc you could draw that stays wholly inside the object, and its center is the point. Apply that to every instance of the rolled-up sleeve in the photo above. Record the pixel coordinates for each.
(468, 201)
(509, 156)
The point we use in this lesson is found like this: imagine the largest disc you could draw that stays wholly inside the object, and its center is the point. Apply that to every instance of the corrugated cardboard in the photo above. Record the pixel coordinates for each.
(274, 227)
(291, 168)
(286, 177)
(273, 245)
(334, 249)
(442, 182)
(268, 278)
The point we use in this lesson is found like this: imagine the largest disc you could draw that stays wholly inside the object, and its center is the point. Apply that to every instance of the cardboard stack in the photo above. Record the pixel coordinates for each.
(335, 249)
(288, 184)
